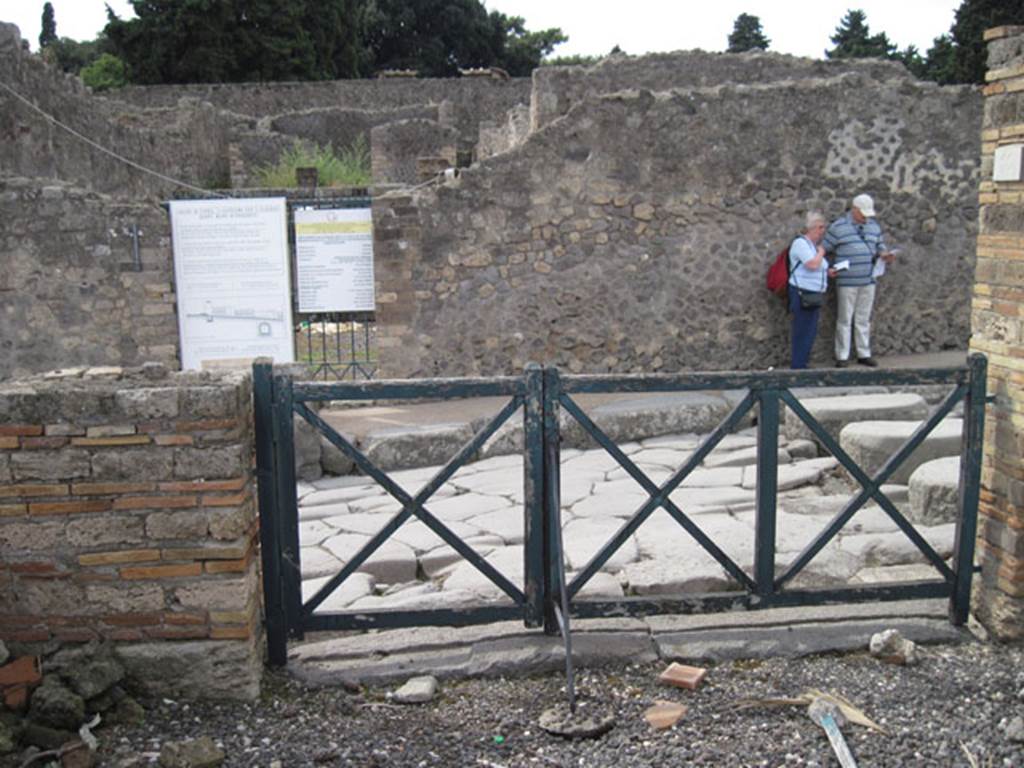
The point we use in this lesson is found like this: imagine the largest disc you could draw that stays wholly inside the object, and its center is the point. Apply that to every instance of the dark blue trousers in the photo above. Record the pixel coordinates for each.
(804, 329)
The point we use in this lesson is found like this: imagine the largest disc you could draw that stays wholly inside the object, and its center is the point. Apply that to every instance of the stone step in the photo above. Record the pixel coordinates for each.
(834, 413)
(935, 491)
(871, 443)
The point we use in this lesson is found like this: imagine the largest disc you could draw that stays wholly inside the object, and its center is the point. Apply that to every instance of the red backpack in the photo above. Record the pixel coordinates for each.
(778, 274)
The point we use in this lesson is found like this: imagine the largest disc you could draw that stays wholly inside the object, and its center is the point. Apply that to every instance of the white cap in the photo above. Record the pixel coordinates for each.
(865, 205)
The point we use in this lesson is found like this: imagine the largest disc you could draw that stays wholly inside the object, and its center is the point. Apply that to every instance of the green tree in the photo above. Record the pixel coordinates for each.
(183, 41)
(48, 33)
(853, 40)
(940, 61)
(71, 55)
(973, 17)
(105, 73)
(747, 34)
(522, 51)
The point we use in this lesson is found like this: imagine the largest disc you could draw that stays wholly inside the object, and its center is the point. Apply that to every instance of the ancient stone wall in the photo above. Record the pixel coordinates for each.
(556, 89)
(997, 322)
(76, 289)
(470, 98)
(187, 142)
(397, 146)
(634, 233)
(127, 515)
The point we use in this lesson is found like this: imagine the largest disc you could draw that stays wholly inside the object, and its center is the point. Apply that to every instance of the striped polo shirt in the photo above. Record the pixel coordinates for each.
(860, 243)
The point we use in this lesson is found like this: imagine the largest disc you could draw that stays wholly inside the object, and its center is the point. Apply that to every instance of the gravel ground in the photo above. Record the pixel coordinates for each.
(958, 700)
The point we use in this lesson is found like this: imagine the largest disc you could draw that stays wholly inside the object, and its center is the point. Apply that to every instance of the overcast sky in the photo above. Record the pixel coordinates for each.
(637, 26)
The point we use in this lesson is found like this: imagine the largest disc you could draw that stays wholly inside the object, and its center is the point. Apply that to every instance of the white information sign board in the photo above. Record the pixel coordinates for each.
(232, 279)
(334, 260)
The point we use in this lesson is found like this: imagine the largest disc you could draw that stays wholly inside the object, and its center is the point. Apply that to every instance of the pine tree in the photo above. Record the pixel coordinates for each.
(48, 34)
(747, 34)
(853, 40)
(973, 17)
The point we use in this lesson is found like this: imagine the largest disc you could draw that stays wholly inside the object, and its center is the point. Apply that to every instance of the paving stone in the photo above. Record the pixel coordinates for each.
(415, 534)
(353, 588)
(834, 413)
(410, 595)
(316, 561)
(699, 573)
(740, 458)
(878, 549)
(439, 562)
(412, 480)
(342, 481)
(507, 523)
(891, 573)
(344, 493)
(362, 522)
(601, 585)
(708, 499)
(303, 488)
(656, 473)
(685, 443)
(666, 457)
(871, 443)
(735, 442)
(513, 463)
(597, 461)
(661, 537)
(576, 487)
(313, 532)
(619, 498)
(831, 567)
(383, 504)
(791, 476)
(496, 482)
(392, 562)
(583, 538)
(467, 505)
(322, 511)
(507, 560)
(934, 491)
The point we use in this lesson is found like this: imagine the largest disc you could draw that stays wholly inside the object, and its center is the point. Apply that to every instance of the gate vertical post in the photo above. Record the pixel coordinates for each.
(767, 487)
(970, 488)
(270, 553)
(287, 504)
(533, 496)
(552, 497)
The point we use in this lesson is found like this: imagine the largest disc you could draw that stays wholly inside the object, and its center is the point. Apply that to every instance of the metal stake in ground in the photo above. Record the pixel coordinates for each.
(827, 715)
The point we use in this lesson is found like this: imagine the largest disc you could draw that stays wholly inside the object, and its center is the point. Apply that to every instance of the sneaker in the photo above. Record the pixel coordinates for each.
(870, 362)
(842, 363)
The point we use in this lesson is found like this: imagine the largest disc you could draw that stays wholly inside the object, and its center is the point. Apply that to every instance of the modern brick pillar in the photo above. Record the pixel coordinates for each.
(127, 515)
(997, 320)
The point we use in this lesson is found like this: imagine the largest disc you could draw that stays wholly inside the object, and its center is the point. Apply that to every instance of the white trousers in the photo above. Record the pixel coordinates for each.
(854, 309)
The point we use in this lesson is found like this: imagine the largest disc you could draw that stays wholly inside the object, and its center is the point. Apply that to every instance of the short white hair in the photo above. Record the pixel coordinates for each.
(812, 218)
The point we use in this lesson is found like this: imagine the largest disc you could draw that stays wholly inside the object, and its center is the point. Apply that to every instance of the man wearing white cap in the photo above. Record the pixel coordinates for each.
(856, 242)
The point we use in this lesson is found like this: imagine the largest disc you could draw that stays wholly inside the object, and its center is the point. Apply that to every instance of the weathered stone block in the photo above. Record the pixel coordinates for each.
(33, 536)
(177, 524)
(50, 465)
(145, 404)
(196, 669)
(151, 464)
(209, 463)
(104, 531)
(126, 598)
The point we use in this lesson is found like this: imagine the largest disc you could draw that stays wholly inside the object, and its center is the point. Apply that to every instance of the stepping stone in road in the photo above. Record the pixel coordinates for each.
(935, 491)
(871, 443)
(834, 413)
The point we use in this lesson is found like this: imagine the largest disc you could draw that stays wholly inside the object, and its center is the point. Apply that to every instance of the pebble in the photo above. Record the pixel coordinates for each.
(418, 690)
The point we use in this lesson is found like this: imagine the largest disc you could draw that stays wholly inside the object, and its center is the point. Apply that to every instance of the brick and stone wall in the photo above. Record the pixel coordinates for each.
(997, 321)
(633, 234)
(127, 515)
(73, 289)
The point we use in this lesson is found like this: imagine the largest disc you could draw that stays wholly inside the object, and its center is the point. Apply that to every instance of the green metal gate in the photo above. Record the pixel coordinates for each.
(547, 599)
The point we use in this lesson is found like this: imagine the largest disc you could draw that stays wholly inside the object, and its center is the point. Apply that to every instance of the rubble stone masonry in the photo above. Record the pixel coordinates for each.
(127, 514)
(997, 318)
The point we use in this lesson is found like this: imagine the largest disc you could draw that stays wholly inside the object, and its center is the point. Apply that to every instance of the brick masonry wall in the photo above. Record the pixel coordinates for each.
(127, 514)
(997, 319)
